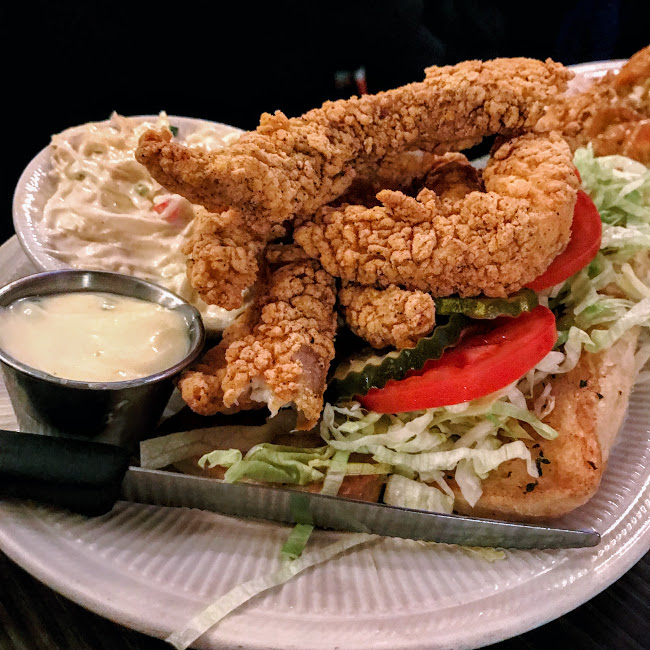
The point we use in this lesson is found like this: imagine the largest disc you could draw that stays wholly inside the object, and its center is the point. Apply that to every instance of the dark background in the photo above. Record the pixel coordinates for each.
(67, 63)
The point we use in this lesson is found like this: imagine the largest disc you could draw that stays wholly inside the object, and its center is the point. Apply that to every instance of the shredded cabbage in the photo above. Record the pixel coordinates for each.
(407, 493)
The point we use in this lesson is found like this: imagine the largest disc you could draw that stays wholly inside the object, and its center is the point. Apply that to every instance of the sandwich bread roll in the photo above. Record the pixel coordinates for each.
(590, 406)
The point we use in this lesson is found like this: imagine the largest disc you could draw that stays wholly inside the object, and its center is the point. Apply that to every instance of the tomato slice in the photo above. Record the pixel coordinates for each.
(503, 351)
(586, 232)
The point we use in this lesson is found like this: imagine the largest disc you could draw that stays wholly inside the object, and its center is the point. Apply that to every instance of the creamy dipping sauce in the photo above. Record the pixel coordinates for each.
(95, 337)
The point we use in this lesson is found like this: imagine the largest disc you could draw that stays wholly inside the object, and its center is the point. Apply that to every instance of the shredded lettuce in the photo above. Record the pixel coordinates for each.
(484, 460)
(335, 473)
(611, 295)
(268, 463)
(272, 464)
(407, 493)
(221, 458)
(297, 541)
(524, 415)
(175, 447)
(422, 445)
(185, 636)
(619, 186)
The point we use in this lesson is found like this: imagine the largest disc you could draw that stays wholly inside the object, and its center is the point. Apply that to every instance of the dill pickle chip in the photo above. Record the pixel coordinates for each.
(358, 374)
(483, 307)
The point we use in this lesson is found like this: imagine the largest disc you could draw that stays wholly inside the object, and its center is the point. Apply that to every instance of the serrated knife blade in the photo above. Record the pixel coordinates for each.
(290, 506)
(89, 477)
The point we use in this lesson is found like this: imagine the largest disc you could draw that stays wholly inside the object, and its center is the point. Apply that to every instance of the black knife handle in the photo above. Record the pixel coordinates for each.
(82, 476)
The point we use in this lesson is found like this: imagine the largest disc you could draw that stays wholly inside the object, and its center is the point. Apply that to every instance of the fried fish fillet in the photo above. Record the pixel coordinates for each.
(293, 166)
(395, 316)
(388, 317)
(491, 242)
(201, 385)
(223, 255)
(613, 114)
(277, 353)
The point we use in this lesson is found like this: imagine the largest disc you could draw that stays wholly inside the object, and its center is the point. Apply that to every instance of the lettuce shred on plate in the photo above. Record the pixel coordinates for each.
(594, 308)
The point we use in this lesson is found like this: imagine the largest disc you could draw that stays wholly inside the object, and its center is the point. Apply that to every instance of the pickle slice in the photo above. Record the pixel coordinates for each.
(358, 374)
(483, 307)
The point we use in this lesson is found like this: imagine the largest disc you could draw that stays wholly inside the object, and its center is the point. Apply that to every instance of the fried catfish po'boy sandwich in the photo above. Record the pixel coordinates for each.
(502, 311)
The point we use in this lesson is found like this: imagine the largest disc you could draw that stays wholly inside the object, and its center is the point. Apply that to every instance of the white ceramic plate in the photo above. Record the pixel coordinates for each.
(595, 69)
(153, 568)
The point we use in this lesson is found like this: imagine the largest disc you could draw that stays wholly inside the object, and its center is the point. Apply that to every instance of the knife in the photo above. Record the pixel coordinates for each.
(90, 477)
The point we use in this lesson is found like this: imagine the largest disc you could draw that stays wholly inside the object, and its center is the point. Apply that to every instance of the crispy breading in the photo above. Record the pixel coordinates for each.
(285, 359)
(635, 73)
(388, 317)
(625, 137)
(291, 167)
(277, 353)
(200, 385)
(611, 123)
(223, 256)
(572, 114)
(491, 242)
(613, 114)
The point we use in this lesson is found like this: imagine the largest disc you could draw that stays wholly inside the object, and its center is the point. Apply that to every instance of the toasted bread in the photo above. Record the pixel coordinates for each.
(590, 405)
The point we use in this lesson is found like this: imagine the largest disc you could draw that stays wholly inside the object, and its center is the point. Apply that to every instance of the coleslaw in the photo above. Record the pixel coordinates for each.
(108, 213)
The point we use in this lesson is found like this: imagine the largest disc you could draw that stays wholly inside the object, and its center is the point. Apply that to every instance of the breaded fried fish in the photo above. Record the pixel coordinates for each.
(613, 114)
(291, 167)
(491, 242)
(277, 353)
(388, 317)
